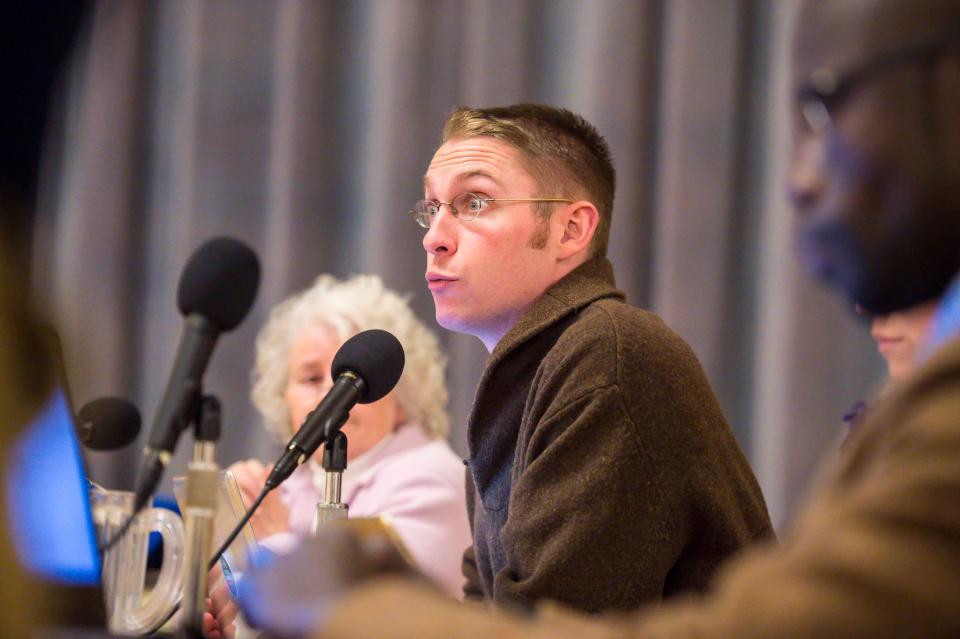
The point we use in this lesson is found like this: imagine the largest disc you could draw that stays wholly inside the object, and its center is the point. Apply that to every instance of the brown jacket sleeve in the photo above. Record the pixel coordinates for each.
(396, 608)
(875, 555)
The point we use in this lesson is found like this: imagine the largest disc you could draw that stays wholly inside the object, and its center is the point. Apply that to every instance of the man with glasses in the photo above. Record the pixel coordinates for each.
(875, 178)
(601, 472)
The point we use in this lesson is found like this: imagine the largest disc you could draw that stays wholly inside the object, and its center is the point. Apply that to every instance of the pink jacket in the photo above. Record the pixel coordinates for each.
(413, 481)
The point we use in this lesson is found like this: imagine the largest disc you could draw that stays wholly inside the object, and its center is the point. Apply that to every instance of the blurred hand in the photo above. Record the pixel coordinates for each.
(211, 628)
(272, 516)
(294, 594)
(220, 619)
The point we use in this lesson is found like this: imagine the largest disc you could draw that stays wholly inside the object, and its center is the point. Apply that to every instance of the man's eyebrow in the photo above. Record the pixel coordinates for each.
(479, 174)
(466, 176)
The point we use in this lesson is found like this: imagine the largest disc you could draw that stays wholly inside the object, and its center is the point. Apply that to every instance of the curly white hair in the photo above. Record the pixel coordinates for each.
(348, 307)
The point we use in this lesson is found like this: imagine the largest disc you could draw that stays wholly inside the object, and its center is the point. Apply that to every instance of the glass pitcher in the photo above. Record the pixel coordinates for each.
(129, 610)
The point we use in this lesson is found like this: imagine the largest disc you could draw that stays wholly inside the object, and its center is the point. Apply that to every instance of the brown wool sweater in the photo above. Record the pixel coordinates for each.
(602, 473)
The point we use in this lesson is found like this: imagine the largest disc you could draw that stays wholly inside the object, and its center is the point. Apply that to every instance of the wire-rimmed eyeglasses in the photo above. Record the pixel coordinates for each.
(826, 89)
(466, 206)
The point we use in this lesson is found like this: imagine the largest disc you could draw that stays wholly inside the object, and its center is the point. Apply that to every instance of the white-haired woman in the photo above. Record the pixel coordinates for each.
(399, 463)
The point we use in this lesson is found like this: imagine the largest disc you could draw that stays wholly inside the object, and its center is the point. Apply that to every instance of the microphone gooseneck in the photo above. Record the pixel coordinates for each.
(334, 464)
(199, 512)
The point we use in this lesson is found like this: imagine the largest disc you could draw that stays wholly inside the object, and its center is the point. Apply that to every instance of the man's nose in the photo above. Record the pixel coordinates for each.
(440, 238)
(805, 176)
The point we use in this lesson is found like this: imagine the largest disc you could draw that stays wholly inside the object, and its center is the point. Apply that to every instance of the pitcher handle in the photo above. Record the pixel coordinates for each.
(167, 591)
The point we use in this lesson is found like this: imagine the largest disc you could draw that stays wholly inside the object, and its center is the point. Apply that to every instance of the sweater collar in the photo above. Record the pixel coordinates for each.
(587, 283)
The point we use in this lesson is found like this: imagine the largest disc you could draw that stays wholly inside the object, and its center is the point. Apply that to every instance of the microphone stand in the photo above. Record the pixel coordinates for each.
(334, 463)
(199, 513)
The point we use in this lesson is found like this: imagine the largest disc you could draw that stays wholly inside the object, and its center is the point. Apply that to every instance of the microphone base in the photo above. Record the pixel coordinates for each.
(329, 513)
(199, 513)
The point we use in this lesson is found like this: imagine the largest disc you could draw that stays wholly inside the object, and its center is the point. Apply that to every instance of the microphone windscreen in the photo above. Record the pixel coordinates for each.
(376, 356)
(108, 423)
(220, 282)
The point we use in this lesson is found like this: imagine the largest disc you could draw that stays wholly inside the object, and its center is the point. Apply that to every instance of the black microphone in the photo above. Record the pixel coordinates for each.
(216, 291)
(366, 368)
(108, 423)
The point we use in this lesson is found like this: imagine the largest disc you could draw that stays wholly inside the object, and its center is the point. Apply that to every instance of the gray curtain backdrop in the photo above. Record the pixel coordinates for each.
(304, 128)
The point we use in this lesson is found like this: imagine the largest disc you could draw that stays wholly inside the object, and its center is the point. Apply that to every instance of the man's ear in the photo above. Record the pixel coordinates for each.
(579, 223)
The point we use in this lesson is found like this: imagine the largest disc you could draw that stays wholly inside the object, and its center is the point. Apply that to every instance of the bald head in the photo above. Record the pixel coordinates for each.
(852, 30)
(879, 24)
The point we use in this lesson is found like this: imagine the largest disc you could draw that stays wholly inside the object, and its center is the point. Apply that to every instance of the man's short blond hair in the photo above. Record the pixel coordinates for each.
(563, 152)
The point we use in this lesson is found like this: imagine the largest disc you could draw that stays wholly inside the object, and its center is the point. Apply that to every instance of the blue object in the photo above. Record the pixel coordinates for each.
(229, 578)
(282, 595)
(155, 545)
(48, 502)
(946, 321)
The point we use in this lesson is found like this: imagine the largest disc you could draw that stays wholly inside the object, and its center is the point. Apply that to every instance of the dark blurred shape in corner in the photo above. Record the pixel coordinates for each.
(35, 41)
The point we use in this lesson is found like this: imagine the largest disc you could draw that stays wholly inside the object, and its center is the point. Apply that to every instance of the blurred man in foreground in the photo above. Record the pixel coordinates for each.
(875, 178)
